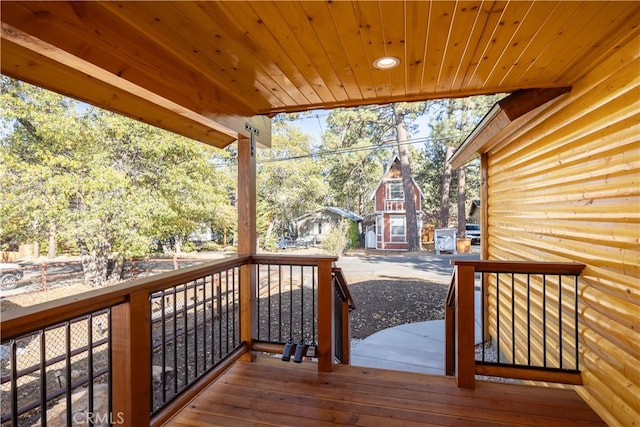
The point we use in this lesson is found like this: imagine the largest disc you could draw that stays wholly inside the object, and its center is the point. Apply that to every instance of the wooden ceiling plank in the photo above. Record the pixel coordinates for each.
(267, 53)
(524, 33)
(307, 41)
(417, 16)
(439, 25)
(491, 14)
(199, 42)
(463, 26)
(540, 22)
(349, 25)
(620, 27)
(326, 31)
(394, 23)
(37, 69)
(295, 57)
(550, 55)
(116, 49)
(373, 40)
(510, 19)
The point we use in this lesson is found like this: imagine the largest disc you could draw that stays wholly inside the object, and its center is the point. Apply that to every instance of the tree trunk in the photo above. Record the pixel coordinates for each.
(94, 264)
(462, 217)
(413, 235)
(445, 188)
(51, 252)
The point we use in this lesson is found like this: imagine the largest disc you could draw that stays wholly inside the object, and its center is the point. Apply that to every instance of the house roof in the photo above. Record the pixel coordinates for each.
(339, 211)
(386, 171)
(213, 70)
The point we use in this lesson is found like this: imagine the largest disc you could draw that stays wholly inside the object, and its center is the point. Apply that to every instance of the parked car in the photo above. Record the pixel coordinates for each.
(473, 233)
(10, 273)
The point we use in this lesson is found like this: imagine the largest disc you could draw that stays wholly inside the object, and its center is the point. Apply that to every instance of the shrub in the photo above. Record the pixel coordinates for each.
(336, 242)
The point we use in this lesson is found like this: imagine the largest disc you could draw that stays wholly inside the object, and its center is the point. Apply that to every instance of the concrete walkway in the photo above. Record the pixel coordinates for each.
(415, 347)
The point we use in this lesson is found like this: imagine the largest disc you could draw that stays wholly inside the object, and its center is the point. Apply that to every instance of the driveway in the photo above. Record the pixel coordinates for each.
(415, 265)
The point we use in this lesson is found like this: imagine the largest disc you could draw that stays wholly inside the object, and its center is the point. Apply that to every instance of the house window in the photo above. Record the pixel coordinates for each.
(397, 228)
(396, 191)
(379, 226)
(319, 227)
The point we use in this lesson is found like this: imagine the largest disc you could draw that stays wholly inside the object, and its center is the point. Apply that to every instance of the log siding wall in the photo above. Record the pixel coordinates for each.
(565, 187)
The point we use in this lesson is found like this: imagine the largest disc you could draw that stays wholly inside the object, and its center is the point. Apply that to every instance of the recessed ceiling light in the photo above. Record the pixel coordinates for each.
(386, 62)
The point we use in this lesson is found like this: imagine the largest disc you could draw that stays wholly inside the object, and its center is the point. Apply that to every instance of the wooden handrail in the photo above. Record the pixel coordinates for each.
(28, 319)
(490, 266)
(343, 287)
(460, 327)
(291, 259)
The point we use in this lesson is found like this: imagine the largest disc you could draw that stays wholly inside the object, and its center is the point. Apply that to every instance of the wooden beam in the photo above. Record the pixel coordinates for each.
(501, 116)
(35, 61)
(246, 203)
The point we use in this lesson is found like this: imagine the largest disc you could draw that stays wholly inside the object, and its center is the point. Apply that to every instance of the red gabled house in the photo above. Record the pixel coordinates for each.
(390, 213)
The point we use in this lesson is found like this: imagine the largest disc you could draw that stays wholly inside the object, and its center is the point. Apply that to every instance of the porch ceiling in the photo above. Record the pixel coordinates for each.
(201, 68)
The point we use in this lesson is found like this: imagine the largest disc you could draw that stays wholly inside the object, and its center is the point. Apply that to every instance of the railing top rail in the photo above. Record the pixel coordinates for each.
(343, 287)
(526, 267)
(27, 319)
(291, 259)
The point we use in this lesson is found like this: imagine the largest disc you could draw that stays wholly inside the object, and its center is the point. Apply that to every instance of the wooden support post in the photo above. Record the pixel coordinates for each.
(131, 360)
(465, 328)
(246, 204)
(325, 317)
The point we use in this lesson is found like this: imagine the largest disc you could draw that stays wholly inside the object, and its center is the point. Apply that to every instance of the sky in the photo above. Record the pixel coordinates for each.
(314, 124)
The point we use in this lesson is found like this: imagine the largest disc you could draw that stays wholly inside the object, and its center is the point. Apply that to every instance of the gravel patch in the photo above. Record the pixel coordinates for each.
(382, 304)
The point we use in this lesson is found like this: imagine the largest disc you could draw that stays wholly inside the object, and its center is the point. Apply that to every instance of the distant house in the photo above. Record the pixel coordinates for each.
(474, 212)
(390, 229)
(315, 226)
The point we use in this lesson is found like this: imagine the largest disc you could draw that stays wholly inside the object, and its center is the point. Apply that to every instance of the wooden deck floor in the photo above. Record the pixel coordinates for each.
(271, 392)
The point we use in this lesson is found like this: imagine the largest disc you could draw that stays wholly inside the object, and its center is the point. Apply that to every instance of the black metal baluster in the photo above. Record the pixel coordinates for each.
(175, 340)
(498, 315)
(203, 331)
(219, 316)
(67, 379)
(560, 327)
(233, 306)
(528, 320)
(110, 365)
(163, 357)
(226, 292)
(482, 308)
(89, 366)
(313, 302)
(195, 327)
(513, 319)
(577, 355)
(257, 289)
(269, 302)
(291, 302)
(280, 303)
(43, 379)
(13, 356)
(544, 320)
(301, 302)
(185, 334)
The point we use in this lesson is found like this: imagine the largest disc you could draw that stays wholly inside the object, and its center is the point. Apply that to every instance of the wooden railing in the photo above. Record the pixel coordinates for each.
(343, 305)
(134, 353)
(528, 312)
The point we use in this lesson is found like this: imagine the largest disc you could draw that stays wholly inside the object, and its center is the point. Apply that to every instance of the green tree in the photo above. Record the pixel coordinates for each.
(368, 135)
(451, 121)
(290, 180)
(99, 182)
